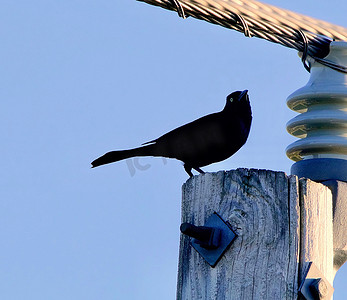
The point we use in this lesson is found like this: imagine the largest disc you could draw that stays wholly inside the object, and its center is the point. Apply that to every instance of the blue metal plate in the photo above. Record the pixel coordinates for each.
(212, 256)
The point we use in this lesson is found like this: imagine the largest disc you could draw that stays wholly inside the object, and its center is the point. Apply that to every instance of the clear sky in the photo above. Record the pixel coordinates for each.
(79, 78)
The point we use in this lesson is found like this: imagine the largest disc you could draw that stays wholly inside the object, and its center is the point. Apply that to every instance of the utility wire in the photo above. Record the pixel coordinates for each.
(255, 19)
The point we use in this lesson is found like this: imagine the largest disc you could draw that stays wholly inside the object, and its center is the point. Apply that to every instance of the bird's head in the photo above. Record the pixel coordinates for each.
(237, 98)
(238, 104)
(237, 101)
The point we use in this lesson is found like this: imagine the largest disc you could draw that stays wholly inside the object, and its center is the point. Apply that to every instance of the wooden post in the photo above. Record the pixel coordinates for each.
(282, 224)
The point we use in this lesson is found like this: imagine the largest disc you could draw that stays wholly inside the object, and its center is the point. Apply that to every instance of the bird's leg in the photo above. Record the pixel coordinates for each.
(188, 169)
(199, 170)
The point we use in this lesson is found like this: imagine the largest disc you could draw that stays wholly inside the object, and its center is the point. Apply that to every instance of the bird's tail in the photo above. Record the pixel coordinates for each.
(114, 156)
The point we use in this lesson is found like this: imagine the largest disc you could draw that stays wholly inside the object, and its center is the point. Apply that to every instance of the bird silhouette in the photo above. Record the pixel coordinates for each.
(207, 140)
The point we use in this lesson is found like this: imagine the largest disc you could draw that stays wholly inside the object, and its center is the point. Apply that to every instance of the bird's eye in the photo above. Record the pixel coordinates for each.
(231, 99)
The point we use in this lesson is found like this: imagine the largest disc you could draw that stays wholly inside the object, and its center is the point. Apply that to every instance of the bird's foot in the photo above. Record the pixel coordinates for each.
(199, 170)
(188, 169)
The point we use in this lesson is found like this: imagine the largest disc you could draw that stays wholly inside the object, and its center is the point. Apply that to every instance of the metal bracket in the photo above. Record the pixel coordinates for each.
(315, 286)
(210, 240)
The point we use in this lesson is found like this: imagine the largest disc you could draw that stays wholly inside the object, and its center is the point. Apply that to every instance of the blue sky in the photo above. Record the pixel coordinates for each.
(79, 78)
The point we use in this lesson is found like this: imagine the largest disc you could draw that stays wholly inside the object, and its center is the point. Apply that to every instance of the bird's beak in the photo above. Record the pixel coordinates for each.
(244, 93)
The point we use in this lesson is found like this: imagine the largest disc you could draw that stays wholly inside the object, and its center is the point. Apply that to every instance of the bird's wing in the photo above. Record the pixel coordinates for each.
(192, 126)
(150, 142)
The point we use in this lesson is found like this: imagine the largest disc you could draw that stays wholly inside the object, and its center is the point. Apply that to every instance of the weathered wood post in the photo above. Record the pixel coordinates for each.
(281, 223)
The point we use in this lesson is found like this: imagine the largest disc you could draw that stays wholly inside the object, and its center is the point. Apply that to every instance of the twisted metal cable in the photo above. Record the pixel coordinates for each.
(305, 34)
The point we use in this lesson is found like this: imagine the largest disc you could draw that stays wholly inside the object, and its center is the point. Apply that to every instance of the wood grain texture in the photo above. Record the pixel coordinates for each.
(282, 224)
(263, 208)
(339, 192)
(316, 228)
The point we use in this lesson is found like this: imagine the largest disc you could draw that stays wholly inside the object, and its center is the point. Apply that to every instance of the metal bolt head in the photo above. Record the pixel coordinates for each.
(315, 286)
(211, 240)
(319, 288)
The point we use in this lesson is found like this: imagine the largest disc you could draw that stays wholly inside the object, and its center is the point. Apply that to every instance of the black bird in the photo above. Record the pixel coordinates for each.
(204, 141)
